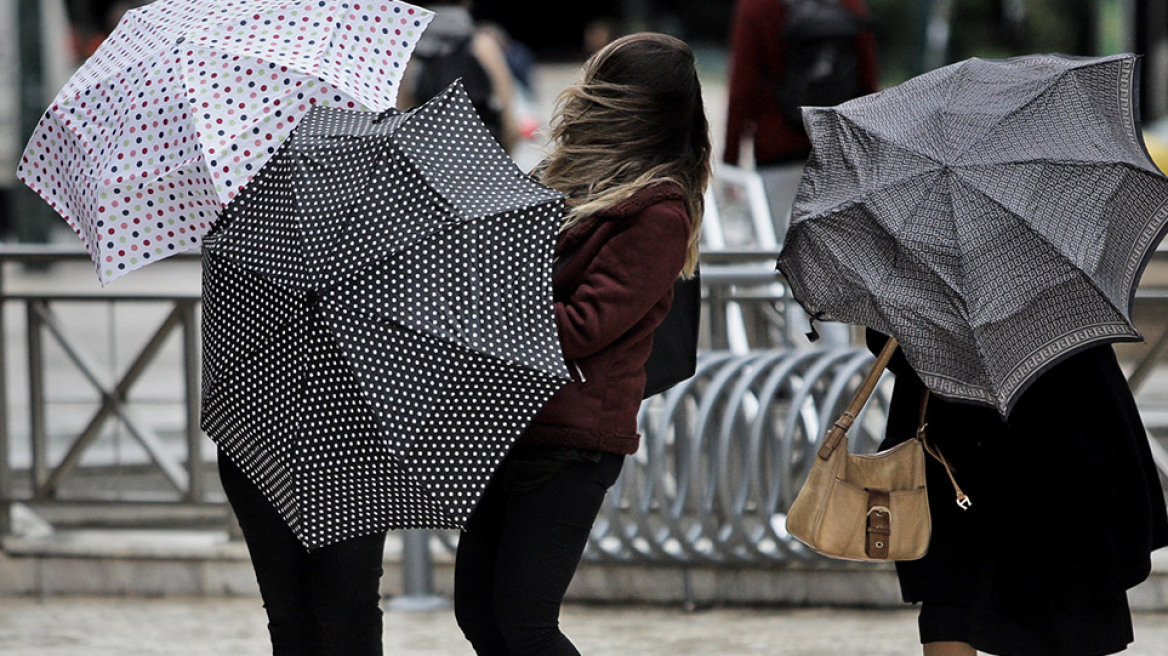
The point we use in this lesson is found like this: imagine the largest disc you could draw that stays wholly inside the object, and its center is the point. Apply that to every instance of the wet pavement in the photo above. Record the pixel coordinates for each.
(118, 626)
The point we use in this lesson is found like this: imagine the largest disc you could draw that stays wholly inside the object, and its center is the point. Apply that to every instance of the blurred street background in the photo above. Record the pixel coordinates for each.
(114, 538)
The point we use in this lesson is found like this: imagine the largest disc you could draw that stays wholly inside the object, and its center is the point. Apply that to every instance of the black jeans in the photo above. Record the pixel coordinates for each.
(319, 603)
(521, 547)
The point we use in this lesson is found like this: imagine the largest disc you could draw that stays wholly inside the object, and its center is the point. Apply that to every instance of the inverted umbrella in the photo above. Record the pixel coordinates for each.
(994, 216)
(186, 100)
(378, 321)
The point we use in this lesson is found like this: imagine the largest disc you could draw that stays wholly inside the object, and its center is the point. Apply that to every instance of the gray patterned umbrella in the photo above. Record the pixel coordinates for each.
(378, 321)
(994, 216)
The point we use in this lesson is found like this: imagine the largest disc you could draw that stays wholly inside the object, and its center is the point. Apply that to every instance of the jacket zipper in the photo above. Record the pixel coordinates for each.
(579, 371)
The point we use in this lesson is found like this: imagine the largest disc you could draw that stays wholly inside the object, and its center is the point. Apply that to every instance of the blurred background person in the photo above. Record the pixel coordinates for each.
(776, 65)
(455, 46)
(762, 47)
(521, 61)
(598, 33)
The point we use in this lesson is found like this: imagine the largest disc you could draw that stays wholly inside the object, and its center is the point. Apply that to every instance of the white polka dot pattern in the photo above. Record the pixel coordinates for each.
(378, 321)
(187, 99)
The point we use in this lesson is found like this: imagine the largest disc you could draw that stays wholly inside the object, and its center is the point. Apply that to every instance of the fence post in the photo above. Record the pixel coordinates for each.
(5, 463)
(196, 486)
(36, 400)
(33, 215)
(417, 567)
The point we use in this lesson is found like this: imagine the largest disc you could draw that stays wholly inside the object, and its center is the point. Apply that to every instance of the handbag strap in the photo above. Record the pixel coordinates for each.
(839, 429)
(963, 501)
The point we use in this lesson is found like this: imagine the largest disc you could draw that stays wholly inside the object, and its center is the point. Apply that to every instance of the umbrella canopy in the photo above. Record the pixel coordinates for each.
(994, 216)
(186, 100)
(378, 319)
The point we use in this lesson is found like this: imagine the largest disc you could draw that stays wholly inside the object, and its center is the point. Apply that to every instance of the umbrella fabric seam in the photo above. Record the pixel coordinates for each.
(857, 200)
(382, 320)
(1034, 98)
(1053, 247)
(867, 130)
(1125, 64)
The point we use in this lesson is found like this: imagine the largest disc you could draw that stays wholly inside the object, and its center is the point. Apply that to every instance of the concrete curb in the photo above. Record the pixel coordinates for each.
(209, 563)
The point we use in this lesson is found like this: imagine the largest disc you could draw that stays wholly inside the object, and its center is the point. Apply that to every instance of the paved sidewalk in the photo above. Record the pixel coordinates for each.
(67, 626)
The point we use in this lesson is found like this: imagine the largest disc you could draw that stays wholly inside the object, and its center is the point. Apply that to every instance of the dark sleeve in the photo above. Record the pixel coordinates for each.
(866, 50)
(628, 276)
(747, 53)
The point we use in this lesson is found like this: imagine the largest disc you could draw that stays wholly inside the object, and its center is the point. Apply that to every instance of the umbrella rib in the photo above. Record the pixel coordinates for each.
(923, 265)
(876, 135)
(1059, 162)
(1034, 98)
(1054, 247)
(372, 317)
(1050, 83)
(868, 193)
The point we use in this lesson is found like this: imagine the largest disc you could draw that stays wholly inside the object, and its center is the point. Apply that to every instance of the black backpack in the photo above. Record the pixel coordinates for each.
(822, 67)
(456, 59)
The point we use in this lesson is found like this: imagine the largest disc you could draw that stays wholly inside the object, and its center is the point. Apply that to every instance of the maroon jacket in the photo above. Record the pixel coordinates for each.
(752, 110)
(613, 283)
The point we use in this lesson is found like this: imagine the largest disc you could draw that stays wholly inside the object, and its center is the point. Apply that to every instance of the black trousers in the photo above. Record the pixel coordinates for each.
(319, 603)
(521, 547)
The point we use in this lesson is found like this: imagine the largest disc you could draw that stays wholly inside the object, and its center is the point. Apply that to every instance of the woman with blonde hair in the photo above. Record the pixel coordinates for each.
(630, 147)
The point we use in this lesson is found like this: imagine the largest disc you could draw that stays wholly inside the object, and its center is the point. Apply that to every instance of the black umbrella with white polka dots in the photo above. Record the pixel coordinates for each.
(378, 325)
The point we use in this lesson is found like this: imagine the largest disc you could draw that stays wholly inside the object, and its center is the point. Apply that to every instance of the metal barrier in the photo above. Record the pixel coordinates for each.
(59, 322)
(722, 457)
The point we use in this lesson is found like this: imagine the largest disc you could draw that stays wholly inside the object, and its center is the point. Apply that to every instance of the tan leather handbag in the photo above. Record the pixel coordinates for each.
(868, 507)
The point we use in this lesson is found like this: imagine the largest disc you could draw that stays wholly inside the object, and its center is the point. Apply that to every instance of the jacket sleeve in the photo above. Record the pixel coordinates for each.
(630, 273)
(745, 88)
(866, 49)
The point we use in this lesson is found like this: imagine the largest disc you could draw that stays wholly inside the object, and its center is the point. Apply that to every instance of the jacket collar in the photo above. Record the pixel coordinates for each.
(631, 206)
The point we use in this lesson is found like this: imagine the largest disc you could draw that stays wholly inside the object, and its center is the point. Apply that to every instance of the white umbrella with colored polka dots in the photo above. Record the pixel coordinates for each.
(378, 318)
(186, 99)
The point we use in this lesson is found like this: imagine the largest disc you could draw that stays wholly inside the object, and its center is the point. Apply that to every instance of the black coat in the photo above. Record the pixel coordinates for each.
(1067, 503)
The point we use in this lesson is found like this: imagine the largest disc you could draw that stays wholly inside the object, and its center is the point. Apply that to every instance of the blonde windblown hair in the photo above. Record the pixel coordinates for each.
(634, 119)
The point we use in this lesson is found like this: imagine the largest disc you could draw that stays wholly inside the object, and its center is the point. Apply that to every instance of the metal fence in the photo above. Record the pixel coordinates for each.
(80, 392)
(725, 454)
(722, 457)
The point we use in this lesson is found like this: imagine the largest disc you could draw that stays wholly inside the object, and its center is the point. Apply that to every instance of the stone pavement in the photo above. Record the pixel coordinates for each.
(104, 626)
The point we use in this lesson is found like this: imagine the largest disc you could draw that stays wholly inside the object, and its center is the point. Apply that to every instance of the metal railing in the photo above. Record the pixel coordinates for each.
(722, 456)
(58, 429)
(67, 417)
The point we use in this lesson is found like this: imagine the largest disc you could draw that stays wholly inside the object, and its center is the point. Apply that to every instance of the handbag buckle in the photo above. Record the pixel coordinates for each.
(879, 525)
